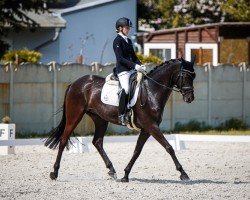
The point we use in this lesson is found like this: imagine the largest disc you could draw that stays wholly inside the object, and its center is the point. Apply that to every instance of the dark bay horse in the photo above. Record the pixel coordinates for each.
(84, 96)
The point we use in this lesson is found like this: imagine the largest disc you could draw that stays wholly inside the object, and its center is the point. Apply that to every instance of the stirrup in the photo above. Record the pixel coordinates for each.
(122, 119)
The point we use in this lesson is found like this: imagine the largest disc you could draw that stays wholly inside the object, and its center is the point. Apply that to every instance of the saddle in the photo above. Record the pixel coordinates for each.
(112, 79)
(112, 87)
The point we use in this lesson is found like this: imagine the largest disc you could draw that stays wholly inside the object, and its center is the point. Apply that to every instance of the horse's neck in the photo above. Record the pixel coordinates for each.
(163, 76)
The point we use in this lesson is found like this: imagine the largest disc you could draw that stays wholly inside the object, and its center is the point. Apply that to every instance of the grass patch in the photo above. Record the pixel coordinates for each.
(229, 127)
(216, 132)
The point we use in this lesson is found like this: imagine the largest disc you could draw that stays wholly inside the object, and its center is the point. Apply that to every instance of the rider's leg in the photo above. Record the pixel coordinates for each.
(124, 81)
(122, 107)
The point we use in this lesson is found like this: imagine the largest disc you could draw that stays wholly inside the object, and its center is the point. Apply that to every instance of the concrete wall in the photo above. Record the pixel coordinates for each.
(31, 94)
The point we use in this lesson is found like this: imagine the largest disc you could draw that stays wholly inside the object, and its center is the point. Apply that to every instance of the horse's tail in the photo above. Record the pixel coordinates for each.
(55, 134)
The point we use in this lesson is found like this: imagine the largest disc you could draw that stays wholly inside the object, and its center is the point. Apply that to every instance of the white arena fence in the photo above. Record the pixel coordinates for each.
(80, 144)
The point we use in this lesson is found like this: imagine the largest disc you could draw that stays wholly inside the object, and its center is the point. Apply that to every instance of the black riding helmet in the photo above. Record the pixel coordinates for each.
(123, 22)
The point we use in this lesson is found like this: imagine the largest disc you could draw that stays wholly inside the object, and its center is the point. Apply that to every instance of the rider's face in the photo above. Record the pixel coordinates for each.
(125, 30)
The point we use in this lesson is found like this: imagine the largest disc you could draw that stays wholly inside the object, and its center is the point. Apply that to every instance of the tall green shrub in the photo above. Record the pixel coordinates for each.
(20, 56)
(149, 59)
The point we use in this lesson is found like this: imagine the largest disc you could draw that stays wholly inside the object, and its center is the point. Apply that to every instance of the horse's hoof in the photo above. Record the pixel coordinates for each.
(184, 177)
(112, 174)
(53, 176)
(124, 180)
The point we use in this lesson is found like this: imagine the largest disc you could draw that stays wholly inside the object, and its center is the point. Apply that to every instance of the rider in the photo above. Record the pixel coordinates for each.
(126, 62)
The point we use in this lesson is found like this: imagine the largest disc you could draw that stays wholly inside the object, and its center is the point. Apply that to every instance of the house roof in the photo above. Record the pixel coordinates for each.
(46, 20)
(165, 31)
(54, 19)
(82, 4)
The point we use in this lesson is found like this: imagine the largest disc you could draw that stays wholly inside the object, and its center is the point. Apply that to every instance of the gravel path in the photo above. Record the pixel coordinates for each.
(217, 171)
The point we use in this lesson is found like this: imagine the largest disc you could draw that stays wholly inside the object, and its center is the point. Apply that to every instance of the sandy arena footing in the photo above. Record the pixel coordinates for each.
(217, 171)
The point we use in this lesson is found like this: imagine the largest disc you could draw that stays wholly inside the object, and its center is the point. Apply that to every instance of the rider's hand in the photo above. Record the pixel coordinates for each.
(143, 67)
(140, 68)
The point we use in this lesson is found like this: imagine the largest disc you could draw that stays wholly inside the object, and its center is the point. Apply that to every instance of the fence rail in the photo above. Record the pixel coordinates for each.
(80, 144)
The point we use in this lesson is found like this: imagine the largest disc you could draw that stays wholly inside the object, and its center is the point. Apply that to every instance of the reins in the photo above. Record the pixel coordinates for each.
(171, 88)
(180, 75)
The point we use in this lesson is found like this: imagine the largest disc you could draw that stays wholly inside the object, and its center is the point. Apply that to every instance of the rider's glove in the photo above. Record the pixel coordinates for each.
(143, 67)
(140, 68)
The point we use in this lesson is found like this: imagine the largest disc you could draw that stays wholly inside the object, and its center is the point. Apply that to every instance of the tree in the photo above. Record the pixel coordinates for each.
(178, 13)
(13, 14)
(237, 10)
(148, 12)
(197, 12)
(166, 9)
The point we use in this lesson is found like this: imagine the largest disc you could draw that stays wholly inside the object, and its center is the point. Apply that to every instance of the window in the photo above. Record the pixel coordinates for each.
(164, 54)
(204, 53)
(165, 51)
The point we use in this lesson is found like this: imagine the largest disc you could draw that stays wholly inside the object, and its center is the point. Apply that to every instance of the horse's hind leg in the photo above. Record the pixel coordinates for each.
(74, 115)
(100, 129)
(143, 137)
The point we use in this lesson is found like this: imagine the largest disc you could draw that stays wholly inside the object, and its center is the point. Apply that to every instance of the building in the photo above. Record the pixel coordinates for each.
(227, 42)
(81, 33)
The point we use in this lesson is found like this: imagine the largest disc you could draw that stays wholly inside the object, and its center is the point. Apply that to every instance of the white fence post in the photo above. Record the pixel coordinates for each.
(179, 144)
(7, 132)
(79, 145)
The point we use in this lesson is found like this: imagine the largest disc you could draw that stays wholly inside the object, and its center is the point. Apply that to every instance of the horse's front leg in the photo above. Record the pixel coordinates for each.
(143, 137)
(158, 135)
(98, 143)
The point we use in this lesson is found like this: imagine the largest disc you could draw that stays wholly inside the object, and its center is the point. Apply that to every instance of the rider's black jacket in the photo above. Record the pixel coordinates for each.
(125, 55)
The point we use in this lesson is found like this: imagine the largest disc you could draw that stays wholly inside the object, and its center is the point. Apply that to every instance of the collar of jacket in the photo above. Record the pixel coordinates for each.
(123, 36)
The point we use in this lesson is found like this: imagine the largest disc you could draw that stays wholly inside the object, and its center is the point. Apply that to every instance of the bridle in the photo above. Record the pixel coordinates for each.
(184, 89)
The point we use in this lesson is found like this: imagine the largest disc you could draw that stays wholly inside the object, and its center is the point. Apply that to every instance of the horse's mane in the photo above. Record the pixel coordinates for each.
(168, 63)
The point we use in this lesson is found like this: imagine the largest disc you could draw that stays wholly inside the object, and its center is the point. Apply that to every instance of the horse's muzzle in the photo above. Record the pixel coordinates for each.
(188, 96)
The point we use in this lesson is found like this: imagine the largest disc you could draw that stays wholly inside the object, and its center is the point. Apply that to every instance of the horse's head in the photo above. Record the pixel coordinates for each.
(184, 80)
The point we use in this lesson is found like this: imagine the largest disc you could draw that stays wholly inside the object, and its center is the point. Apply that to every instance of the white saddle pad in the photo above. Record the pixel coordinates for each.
(110, 93)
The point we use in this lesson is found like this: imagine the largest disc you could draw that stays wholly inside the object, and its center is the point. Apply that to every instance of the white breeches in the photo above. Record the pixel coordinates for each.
(124, 79)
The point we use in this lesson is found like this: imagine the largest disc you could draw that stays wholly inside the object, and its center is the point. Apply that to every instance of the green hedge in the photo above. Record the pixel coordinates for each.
(19, 56)
(149, 59)
(193, 125)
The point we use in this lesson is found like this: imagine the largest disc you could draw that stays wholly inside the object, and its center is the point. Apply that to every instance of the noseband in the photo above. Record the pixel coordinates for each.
(179, 79)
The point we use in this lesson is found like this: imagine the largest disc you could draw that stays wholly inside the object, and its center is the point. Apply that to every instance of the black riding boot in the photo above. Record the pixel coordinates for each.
(122, 108)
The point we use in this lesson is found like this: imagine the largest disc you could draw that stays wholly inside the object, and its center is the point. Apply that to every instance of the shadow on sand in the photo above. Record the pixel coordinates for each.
(190, 182)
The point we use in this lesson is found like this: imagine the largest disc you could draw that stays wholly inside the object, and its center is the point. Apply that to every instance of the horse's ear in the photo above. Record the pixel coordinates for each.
(193, 59)
(183, 62)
